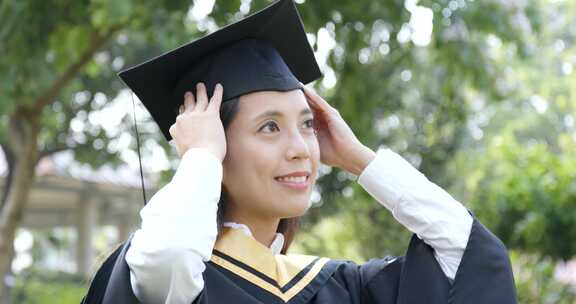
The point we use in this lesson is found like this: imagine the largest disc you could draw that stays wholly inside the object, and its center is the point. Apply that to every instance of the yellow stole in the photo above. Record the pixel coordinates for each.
(282, 275)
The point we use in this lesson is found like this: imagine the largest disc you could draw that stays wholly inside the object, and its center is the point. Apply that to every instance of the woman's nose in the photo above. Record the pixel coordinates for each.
(297, 146)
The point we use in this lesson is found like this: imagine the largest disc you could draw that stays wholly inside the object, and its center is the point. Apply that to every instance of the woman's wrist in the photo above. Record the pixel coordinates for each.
(359, 160)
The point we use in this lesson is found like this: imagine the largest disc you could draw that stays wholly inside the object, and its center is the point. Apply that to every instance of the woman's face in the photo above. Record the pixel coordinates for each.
(271, 136)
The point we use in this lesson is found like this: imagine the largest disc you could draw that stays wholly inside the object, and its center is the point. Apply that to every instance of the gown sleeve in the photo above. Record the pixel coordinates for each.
(167, 254)
(419, 205)
(484, 275)
(452, 257)
(163, 261)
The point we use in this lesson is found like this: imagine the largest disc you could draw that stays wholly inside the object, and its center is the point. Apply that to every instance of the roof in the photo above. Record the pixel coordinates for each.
(63, 164)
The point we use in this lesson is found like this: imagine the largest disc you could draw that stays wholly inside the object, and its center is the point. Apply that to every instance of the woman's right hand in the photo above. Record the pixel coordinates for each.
(198, 125)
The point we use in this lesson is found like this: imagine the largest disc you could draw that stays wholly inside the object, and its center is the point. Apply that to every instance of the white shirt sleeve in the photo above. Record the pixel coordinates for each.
(178, 232)
(420, 205)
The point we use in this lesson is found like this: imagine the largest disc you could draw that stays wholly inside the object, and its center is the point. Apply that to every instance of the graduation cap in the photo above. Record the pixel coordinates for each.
(267, 50)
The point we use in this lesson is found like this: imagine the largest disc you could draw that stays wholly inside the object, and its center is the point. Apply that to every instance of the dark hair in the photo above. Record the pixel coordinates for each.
(287, 226)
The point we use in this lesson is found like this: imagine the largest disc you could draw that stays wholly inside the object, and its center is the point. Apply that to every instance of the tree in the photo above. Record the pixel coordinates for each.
(521, 173)
(396, 85)
(414, 94)
(54, 70)
(529, 197)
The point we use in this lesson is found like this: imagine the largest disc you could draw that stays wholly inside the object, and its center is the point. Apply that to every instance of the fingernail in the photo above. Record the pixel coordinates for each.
(218, 86)
(200, 84)
(187, 94)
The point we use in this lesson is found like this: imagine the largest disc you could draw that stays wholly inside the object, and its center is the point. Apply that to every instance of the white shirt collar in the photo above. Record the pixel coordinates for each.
(275, 247)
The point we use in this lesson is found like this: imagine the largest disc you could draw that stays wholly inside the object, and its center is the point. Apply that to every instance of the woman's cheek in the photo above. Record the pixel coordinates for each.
(315, 151)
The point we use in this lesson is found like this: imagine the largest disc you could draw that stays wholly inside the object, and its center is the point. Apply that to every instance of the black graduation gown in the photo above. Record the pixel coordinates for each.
(242, 270)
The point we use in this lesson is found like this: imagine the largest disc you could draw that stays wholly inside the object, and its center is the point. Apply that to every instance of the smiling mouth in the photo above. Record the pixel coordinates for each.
(294, 182)
(292, 179)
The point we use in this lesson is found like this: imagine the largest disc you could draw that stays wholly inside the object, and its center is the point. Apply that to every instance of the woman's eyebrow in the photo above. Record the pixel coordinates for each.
(278, 113)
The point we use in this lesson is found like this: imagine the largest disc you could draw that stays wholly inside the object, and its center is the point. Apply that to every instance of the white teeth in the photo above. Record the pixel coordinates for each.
(292, 179)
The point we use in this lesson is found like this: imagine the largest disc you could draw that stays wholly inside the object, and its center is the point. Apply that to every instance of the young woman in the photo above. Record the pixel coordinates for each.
(250, 144)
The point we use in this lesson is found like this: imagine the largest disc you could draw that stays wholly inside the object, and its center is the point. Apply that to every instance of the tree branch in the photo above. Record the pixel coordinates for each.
(69, 112)
(97, 42)
(48, 152)
(60, 148)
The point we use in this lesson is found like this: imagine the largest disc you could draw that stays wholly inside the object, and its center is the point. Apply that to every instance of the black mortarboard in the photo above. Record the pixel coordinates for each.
(267, 50)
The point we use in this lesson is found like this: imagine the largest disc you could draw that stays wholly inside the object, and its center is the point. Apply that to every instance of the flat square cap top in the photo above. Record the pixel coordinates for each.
(267, 50)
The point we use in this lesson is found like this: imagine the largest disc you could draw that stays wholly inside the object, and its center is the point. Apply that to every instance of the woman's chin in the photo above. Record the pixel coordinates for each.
(297, 209)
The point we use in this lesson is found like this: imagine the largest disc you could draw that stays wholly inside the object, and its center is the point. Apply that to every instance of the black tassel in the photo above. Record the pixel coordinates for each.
(138, 148)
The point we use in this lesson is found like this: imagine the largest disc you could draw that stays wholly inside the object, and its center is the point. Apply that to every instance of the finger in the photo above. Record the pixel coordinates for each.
(319, 112)
(216, 99)
(201, 98)
(172, 130)
(189, 102)
(318, 101)
(314, 105)
(173, 141)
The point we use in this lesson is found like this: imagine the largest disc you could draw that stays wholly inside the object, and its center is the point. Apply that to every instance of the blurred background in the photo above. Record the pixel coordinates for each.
(479, 95)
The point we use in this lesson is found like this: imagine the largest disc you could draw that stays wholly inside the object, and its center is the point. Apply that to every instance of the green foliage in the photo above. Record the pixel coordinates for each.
(485, 66)
(44, 43)
(535, 281)
(526, 194)
(519, 175)
(366, 230)
(40, 288)
(106, 12)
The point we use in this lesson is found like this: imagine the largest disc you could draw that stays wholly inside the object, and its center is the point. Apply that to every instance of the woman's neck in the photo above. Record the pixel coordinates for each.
(263, 230)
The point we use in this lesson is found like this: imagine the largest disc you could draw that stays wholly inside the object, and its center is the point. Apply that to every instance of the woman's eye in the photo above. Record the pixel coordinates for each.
(269, 126)
(309, 123)
(272, 126)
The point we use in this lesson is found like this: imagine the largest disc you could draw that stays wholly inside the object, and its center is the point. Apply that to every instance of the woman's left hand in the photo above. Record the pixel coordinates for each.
(338, 145)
